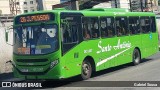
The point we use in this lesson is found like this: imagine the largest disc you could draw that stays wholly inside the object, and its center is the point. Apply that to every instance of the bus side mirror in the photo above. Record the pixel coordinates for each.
(8, 32)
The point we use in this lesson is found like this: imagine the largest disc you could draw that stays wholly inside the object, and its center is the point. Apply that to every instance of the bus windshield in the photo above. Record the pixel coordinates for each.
(31, 40)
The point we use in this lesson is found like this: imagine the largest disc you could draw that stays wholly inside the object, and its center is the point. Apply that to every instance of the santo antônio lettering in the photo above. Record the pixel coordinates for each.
(35, 18)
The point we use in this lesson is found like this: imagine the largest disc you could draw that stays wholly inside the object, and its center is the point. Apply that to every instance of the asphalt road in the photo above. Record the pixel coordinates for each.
(147, 70)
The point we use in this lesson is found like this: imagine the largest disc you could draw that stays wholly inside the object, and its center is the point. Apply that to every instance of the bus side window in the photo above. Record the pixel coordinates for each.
(63, 28)
(85, 27)
(69, 33)
(153, 24)
(142, 21)
(74, 33)
(121, 26)
(145, 24)
(90, 27)
(107, 24)
(103, 27)
(94, 27)
(110, 25)
(134, 26)
(138, 29)
(131, 25)
(66, 36)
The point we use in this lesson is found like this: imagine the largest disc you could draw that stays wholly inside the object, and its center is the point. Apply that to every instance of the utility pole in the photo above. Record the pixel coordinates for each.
(115, 3)
(151, 5)
(77, 4)
(145, 3)
(130, 4)
(141, 5)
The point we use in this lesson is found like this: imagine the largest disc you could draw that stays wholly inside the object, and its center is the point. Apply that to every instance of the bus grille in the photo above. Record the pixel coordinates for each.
(32, 60)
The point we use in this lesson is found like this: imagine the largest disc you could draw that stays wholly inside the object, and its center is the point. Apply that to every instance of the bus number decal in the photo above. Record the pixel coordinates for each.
(88, 51)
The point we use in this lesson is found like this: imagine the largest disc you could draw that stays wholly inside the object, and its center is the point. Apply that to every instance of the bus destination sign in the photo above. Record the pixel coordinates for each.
(34, 18)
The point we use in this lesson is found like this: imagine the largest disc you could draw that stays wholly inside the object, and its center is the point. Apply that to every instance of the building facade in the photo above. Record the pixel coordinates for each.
(4, 7)
(114, 4)
(120, 4)
(17, 6)
(47, 4)
(26, 6)
(144, 5)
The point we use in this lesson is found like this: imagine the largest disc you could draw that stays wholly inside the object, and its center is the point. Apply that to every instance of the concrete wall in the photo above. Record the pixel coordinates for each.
(5, 50)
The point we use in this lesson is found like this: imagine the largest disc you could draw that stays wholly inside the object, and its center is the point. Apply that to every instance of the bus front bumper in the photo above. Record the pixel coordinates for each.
(49, 73)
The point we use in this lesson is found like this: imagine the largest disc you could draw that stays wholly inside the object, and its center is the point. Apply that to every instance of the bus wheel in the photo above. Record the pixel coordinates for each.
(136, 57)
(86, 70)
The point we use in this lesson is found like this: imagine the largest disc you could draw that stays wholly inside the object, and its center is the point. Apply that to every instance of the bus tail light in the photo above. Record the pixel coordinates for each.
(54, 63)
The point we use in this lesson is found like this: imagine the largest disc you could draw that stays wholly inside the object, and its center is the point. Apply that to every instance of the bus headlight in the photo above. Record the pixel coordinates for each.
(54, 63)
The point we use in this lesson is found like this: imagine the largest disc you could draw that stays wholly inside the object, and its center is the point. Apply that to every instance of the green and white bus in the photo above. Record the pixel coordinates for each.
(62, 43)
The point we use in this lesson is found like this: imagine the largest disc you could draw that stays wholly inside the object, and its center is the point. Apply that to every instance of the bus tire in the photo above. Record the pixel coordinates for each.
(136, 57)
(86, 70)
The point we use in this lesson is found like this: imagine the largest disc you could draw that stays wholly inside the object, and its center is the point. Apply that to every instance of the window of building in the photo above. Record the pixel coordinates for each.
(32, 7)
(107, 26)
(122, 26)
(145, 24)
(25, 3)
(31, 2)
(17, 3)
(90, 27)
(32, 10)
(25, 11)
(134, 25)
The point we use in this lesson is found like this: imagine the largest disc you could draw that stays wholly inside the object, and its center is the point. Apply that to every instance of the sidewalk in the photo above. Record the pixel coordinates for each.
(6, 76)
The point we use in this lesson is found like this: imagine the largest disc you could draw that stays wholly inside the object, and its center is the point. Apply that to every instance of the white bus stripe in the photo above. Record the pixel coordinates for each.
(107, 59)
